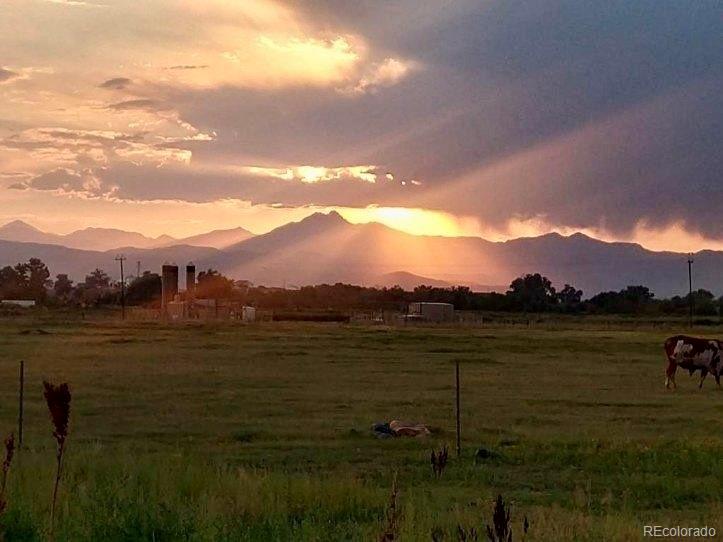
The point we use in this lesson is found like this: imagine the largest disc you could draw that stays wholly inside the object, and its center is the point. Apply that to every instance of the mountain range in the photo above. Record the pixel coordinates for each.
(109, 238)
(326, 248)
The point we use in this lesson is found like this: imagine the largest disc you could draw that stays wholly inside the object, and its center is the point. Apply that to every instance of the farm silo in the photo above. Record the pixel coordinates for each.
(169, 283)
(190, 281)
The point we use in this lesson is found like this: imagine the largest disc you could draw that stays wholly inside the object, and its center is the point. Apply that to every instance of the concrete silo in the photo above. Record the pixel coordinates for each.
(169, 284)
(190, 282)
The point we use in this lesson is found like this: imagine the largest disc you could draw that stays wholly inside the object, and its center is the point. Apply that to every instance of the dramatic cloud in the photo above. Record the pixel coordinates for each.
(250, 44)
(385, 74)
(174, 179)
(71, 149)
(316, 174)
(603, 117)
(654, 162)
(67, 181)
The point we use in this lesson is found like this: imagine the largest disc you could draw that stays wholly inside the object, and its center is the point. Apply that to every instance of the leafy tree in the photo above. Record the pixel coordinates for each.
(704, 302)
(532, 293)
(633, 299)
(213, 285)
(25, 281)
(38, 277)
(11, 283)
(63, 286)
(97, 279)
(144, 289)
(637, 295)
(570, 298)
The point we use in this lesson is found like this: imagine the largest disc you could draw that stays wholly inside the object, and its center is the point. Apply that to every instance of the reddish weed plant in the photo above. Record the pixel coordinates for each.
(9, 452)
(58, 399)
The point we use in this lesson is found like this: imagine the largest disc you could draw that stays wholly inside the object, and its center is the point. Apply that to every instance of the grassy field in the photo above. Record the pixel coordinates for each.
(262, 432)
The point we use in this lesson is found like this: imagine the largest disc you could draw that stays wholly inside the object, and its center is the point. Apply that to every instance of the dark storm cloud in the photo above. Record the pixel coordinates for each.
(83, 182)
(624, 92)
(182, 182)
(57, 179)
(655, 161)
(131, 181)
(117, 83)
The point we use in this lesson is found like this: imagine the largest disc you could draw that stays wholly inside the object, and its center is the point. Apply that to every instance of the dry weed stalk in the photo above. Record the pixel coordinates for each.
(439, 461)
(500, 530)
(58, 400)
(466, 535)
(392, 514)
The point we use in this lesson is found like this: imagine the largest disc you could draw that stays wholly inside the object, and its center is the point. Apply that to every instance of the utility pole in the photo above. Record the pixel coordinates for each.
(690, 286)
(138, 269)
(120, 258)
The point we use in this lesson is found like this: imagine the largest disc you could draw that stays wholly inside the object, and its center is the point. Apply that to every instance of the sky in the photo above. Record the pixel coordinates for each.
(491, 118)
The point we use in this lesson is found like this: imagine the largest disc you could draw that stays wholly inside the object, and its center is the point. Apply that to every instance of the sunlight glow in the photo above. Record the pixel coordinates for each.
(315, 174)
(409, 220)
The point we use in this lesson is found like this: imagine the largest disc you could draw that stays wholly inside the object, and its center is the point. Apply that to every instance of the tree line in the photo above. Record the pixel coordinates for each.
(529, 293)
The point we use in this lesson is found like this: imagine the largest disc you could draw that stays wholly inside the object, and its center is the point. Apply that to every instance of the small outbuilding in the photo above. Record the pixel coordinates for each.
(248, 314)
(431, 312)
(25, 303)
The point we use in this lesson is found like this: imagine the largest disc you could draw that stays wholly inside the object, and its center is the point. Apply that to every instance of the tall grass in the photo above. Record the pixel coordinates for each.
(119, 494)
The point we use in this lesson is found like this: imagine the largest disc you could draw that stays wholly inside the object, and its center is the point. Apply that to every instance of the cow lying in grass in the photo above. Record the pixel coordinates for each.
(693, 354)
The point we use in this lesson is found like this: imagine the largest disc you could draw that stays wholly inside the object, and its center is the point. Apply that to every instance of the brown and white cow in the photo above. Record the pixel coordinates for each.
(693, 354)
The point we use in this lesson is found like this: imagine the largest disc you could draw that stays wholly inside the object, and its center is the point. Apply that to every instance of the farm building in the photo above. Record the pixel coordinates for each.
(431, 312)
(18, 302)
(179, 306)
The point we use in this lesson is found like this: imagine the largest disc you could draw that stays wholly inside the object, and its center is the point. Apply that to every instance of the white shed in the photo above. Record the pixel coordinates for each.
(248, 314)
(18, 302)
(431, 312)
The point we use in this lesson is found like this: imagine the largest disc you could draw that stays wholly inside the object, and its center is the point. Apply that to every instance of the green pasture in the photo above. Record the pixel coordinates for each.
(262, 432)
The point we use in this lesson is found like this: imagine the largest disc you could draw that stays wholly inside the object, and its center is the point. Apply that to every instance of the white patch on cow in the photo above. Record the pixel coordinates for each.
(681, 349)
(683, 352)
